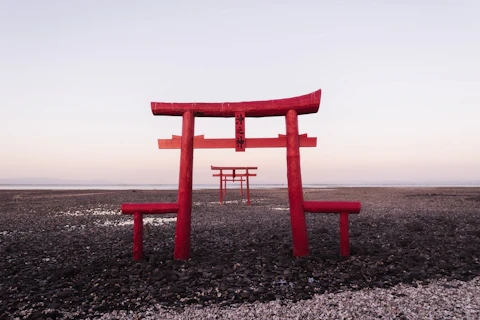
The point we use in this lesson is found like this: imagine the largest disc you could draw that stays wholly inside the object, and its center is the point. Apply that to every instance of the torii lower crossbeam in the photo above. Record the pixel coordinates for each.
(199, 142)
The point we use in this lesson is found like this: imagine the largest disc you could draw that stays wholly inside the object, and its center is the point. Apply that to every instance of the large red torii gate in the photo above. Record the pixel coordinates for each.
(290, 108)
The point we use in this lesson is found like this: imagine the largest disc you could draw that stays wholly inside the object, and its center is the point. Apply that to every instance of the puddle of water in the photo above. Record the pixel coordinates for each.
(68, 213)
(231, 201)
(150, 220)
(105, 213)
(70, 227)
(93, 212)
(281, 209)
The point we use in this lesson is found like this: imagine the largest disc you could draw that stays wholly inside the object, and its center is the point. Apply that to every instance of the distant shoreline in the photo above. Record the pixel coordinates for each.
(215, 186)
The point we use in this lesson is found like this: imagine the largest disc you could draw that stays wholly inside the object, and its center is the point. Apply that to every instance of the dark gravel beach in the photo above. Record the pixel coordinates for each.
(68, 254)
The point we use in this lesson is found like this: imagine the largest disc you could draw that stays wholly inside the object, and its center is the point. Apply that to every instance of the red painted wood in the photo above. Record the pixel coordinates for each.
(221, 188)
(182, 234)
(229, 143)
(232, 168)
(332, 207)
(248, 187)
(343, 208)
(239, 132)
(137, 236)
(236, 175)
(199, 143)
(284, 135)
(232, 179)
(224, 187)
(235, 178)
(295, 192)
(344, 239)
(149, 208)
(308, 103)
(279, 142)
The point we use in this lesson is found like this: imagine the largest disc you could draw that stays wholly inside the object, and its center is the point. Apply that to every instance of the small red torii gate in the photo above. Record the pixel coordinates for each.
(224, 177)
(290, 108)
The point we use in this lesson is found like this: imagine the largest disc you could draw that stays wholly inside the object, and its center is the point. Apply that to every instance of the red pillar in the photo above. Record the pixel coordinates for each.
(344, 239)
(225, 186)
(137, 236)
(295, 192)
(182, 235)
(248, 189)
(221, 187)
(241, 186)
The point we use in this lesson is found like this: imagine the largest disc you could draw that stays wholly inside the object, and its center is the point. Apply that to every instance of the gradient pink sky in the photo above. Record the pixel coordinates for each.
(400, 83)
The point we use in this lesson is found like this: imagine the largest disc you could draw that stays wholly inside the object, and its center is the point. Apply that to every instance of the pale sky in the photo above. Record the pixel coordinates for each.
(400, 87)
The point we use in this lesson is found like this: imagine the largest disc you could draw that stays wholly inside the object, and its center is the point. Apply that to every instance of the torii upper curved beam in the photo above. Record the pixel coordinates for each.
(305, 104)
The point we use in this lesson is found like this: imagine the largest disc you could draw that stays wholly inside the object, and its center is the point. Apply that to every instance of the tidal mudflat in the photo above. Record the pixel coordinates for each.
(68, 254)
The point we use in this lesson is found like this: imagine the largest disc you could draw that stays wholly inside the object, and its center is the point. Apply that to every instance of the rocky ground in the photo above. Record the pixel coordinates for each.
(68, 254)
